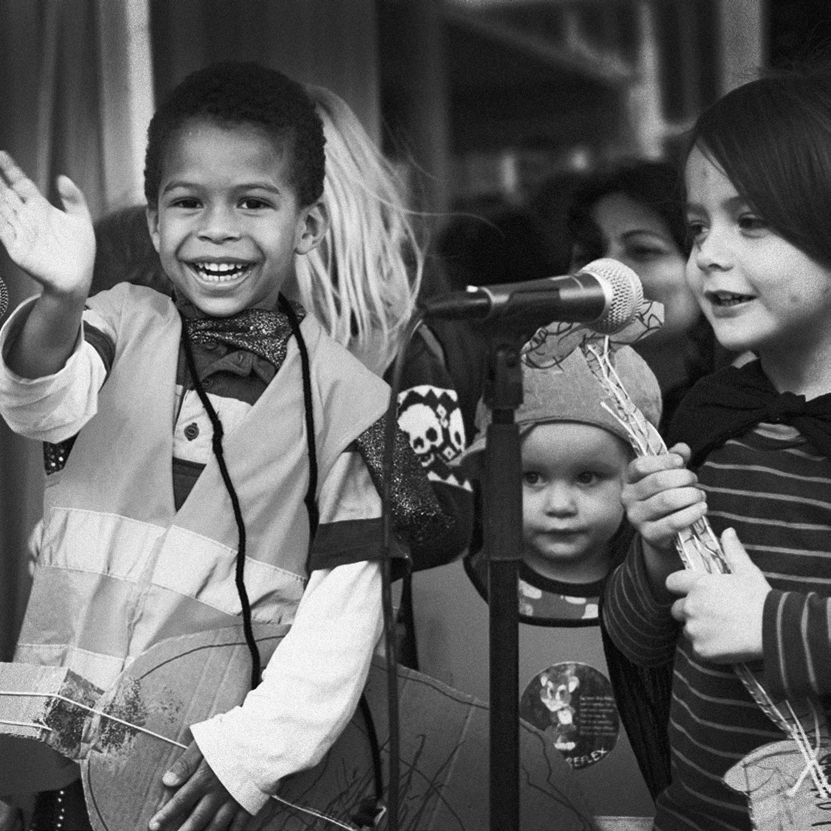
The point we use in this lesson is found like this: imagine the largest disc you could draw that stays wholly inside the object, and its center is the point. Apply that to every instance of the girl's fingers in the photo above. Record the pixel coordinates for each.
(644, 466)
(662, 493)
(671, 506)
(663, 530)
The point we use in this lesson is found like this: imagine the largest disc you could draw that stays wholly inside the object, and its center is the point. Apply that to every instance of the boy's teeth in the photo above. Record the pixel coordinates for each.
(221, 271)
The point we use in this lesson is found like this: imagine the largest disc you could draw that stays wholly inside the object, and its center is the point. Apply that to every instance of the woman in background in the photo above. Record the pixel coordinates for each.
(634, 213)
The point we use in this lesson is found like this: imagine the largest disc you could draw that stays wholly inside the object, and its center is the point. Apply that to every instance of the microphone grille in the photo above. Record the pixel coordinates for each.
(4, 298)
(627, 294)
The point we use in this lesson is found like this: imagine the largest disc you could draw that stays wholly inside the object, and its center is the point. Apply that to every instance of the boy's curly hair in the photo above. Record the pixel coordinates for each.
(243, 93)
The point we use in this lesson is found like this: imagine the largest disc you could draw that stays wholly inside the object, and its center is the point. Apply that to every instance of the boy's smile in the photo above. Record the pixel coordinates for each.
(228, 224)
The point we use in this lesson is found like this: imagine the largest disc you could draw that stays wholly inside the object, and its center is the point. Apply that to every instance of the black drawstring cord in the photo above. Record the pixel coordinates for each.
(369, 812)
(311, 492)
(216, 442)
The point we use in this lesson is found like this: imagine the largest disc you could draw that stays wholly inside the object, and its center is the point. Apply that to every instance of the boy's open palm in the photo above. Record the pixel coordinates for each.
(56, 247)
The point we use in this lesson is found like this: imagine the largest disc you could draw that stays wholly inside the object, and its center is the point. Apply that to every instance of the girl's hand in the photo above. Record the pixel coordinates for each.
(660, 497)
(722, 613)
(196, 799)
(57, 248)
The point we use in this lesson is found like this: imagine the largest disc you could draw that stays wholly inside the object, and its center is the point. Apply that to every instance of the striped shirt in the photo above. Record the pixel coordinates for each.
(775, 490)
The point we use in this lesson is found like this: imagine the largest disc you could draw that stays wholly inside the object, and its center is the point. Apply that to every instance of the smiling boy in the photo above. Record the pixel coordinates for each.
(132, 392)
(226, 219)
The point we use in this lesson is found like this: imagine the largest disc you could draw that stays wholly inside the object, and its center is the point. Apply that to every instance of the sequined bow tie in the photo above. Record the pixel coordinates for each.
(260, 331)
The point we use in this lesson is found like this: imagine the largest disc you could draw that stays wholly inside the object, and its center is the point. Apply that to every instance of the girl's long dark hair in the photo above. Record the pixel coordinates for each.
(772, 138)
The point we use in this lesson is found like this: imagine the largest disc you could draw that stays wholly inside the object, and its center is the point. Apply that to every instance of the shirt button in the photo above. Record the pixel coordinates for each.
(191, 431)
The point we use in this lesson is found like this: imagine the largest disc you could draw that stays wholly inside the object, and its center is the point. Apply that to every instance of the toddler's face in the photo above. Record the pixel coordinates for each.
(228, 225)
(572, 475)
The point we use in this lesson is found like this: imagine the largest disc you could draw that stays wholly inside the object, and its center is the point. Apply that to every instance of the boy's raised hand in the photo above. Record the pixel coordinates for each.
(722, 613)
(661, 498)
(56, 247)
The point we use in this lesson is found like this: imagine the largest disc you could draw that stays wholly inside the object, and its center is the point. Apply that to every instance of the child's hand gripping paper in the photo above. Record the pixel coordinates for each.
(661, 498)
(722, 613)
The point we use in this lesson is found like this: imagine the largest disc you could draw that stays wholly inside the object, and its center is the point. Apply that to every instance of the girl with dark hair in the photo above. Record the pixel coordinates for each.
(758, 181)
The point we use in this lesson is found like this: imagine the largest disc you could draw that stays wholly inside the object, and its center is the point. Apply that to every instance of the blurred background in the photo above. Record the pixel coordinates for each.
(481, 103)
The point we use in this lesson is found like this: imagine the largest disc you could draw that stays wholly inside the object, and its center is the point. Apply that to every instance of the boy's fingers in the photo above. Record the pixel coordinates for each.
(17, 179)
(7, 214)
(181, 803)
(73, 199)
(183, 768)
(223, 819)
(10, 199)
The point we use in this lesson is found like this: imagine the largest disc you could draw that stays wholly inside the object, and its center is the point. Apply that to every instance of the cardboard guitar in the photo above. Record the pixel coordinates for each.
(134, 731)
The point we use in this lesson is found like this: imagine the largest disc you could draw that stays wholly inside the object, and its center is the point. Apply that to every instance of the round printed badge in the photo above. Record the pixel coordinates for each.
(572, 703)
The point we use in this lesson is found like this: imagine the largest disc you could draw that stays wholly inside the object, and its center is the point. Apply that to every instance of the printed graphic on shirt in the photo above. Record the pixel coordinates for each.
(535, 602)
(572, 704)
(432, 420)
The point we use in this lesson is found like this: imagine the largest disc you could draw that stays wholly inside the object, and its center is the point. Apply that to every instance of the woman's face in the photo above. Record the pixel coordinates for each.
(637, 236)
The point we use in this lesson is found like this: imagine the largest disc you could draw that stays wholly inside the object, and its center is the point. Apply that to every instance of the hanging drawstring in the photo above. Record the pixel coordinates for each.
(368, 812)
(311, 492)
(216, 443)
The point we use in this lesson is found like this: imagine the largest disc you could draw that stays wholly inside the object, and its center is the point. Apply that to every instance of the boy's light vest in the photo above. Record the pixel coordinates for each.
(119, 569)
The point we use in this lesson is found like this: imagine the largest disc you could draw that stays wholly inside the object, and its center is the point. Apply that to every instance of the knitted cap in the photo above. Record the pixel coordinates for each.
(569, 391)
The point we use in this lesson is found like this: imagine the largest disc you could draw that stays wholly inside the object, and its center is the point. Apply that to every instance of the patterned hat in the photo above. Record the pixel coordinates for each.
(568, 391)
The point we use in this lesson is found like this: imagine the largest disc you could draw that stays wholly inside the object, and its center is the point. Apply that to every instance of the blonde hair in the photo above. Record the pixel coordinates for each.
(362, 281)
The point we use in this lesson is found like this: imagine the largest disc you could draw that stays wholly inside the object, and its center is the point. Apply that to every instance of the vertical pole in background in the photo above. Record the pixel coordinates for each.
(503, 547)
(125, 72)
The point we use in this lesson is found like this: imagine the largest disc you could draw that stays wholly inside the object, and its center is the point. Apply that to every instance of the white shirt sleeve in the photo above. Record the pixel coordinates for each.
(309, 691)
(55, 407)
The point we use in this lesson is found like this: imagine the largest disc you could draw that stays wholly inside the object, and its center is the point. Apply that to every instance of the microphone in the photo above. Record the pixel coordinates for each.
(4, 298)
(605, 293)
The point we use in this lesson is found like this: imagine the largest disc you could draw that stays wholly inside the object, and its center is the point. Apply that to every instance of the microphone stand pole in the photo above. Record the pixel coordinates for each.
(502, 526)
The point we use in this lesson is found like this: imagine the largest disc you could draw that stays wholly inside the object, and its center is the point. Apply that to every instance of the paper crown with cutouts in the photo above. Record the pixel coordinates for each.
(558, 383)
